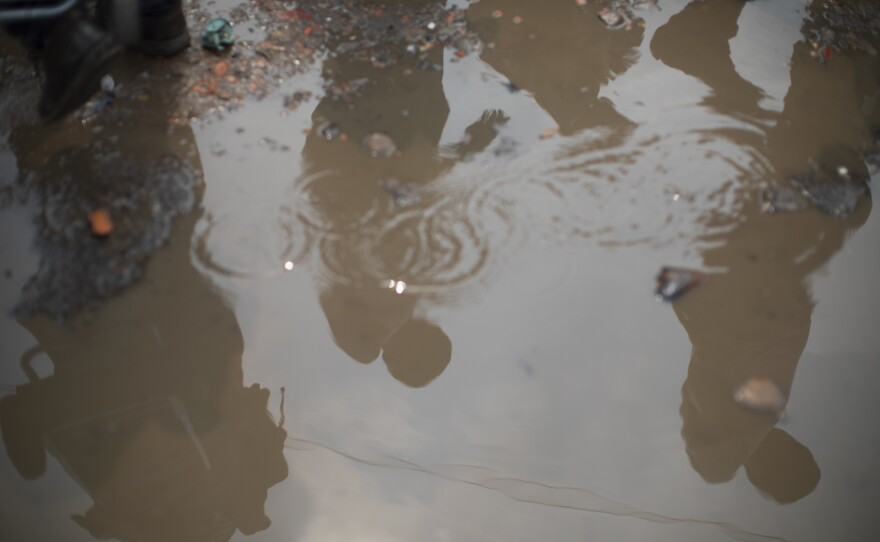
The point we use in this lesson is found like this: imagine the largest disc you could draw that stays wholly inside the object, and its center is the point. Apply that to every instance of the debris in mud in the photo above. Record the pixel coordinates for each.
(379, 146)
(612, 19)
(404, 194)
(97, 104)
(834, 188)
(843, 26)
(673, 282)
(782, 199)
(760, 395)
(549, 133)
(293, 101)
(218, 35)
(618, 14)
(81, 264)
(101, 222)
(329, 130)
(837, 198)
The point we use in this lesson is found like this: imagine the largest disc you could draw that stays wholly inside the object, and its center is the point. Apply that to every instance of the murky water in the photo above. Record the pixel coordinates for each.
(458, 341)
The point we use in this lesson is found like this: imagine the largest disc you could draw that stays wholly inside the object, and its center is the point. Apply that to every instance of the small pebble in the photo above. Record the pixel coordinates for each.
(379, 145)
(761, 395)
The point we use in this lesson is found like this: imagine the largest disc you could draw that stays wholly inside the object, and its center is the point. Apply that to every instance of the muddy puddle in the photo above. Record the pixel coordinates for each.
(489, 270)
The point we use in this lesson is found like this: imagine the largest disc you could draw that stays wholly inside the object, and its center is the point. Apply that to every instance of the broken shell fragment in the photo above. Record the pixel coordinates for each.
(761, 395)
(674, 282)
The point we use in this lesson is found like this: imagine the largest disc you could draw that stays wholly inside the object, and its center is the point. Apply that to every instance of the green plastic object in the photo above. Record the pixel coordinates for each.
(218, 35)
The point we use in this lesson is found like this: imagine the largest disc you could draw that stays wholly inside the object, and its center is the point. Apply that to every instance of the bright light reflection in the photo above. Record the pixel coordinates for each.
(288, 265)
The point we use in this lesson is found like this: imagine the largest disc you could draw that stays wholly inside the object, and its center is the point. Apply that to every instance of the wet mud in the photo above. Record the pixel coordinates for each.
(385, 269)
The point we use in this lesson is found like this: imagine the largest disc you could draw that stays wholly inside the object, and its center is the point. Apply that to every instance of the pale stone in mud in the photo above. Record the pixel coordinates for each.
(379, 145)
(760, 395)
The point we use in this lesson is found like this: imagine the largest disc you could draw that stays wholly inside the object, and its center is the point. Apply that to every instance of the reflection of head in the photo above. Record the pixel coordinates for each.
(783, 468)
(417, 353)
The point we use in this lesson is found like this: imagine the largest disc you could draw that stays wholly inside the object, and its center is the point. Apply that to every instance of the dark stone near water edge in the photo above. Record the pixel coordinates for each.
(782, 199)
(837, 198)
(674, 282)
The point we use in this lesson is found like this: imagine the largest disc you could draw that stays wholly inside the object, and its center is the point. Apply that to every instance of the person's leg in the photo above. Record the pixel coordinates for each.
(72, 53)
(162, 26)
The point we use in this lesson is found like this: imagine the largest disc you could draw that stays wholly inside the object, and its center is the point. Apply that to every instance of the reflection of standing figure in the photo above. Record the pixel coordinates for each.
(146, 408)
(367, 237)
(754, 319)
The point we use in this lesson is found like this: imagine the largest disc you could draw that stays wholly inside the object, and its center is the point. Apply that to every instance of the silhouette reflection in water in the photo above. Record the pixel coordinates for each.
(753, 320)
(368, 238)
(561, 54)
(434, 245)
(146, 408)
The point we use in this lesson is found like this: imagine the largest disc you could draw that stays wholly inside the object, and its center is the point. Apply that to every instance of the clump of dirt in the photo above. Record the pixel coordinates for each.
(78, 269)
(843, 26)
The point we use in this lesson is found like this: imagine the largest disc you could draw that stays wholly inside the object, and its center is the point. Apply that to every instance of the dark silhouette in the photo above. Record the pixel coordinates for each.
(561, 54)
(146, 407)
(753, 320)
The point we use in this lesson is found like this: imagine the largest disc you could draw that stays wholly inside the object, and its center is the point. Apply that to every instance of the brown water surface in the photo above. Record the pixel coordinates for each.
(460, 341)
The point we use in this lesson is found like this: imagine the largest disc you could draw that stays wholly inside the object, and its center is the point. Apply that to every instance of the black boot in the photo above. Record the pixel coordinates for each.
(76, 55)
(161, 30)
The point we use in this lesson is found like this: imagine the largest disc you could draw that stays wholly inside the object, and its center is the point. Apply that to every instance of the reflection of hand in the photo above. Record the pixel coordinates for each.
(480, 134)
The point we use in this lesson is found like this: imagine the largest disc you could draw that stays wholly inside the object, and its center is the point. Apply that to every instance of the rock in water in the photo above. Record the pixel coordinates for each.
(674, 282)
(761, 395)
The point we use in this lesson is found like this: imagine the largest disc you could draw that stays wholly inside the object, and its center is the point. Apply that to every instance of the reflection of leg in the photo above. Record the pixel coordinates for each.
(22, 439)
(695, 41)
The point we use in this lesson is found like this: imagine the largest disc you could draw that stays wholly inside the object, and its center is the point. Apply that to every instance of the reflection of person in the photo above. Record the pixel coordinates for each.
(562, 55)
(146, 408)
(754, 319)
(368, 238)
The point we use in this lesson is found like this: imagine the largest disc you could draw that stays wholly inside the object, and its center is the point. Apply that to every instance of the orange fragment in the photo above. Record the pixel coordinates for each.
(221, 68)
(102, 224)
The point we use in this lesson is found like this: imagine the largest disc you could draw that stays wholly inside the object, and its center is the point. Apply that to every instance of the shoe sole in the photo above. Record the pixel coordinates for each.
(85, 84)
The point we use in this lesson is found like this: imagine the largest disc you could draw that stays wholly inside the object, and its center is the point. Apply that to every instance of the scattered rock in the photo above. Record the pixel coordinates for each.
(673, 282)
(329, 130)
(782, 199)
(837, 198)
(404, 194)
(379, 145)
